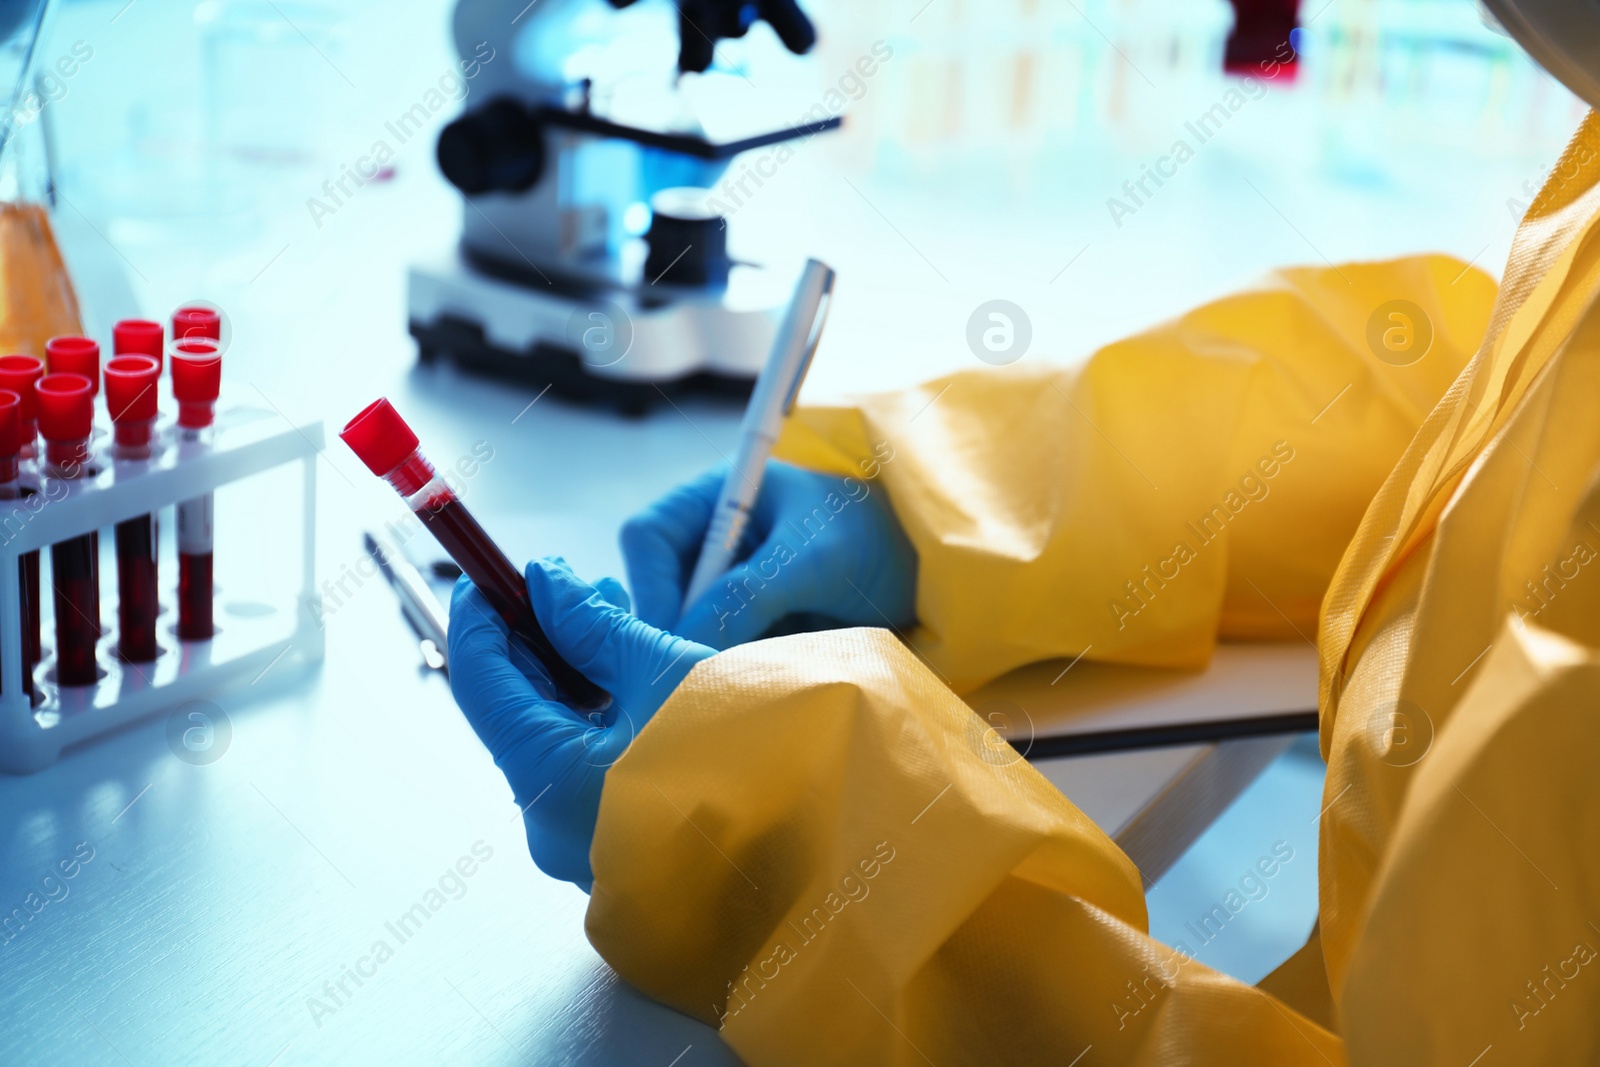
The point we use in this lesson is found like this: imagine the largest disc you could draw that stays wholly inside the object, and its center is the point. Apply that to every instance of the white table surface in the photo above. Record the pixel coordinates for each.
(1066, 698)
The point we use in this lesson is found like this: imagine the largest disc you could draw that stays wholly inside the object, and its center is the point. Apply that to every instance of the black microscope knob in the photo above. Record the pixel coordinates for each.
(497, 148)
(688, 239)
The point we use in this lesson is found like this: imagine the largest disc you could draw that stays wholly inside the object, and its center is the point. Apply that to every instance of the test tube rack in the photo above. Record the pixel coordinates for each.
(246, 442)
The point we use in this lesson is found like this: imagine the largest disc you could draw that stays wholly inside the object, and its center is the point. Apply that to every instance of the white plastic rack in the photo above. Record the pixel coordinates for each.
(282, 620)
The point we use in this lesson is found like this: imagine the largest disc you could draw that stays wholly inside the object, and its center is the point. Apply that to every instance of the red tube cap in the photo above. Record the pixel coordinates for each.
(131, 387)
(66, 407)
(196, 321)
(19, 374)
(141, 336)
(379, 437)
(196, 379)
(10, 424)
(74, 355)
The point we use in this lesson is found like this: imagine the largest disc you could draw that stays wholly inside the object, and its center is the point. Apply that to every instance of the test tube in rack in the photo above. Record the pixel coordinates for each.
(196, 383)
(10, 491)
(66, 419)
(71, 354)
(131, 400)
(20, 374)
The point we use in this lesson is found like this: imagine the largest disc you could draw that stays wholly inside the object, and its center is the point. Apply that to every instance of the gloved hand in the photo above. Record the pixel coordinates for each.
(702, 23)
(828, 551)
(555, 758)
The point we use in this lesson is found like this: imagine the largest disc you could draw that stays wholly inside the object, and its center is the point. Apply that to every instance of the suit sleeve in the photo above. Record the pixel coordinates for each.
(814, 847)
(1197, 481)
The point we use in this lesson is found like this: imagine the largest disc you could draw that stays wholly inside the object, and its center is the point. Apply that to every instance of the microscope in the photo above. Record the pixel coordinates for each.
(594, 256)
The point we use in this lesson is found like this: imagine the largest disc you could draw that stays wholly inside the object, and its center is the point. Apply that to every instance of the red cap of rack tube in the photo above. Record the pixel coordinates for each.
(66, 417)
(139, 337)
(131, 396)
(10, 434)
(196, 321)
(196, 380)
(74, 355)
(19, 374)
(381, 439)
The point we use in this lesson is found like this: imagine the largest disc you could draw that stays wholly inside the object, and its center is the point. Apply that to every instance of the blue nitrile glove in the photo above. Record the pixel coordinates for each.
(827, 551)
(554, 757)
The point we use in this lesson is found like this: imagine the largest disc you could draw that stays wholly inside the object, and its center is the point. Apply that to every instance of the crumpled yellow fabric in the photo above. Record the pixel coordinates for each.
(1460, 884)
(37, 300)
(1201, 478)
(813, 846)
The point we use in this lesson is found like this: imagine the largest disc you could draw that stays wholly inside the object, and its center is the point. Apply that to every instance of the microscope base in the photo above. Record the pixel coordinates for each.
(680, 341)
(558, 367)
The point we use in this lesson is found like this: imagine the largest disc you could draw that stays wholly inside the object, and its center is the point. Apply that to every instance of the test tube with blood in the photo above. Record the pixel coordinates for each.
(142, 337)
(20, 374)
(131, 400)
(196, 381)
(383, 441)
(79, 355)
(11, 491)
(66, 417)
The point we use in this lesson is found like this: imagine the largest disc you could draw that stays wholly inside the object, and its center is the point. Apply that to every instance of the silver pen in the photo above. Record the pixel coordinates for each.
(770, 402)
(417, 602)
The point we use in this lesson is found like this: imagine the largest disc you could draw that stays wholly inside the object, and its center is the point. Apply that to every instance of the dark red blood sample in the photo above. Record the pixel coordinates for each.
(73, 570)
(482, 561)
(29, 608)
(194, 596)
(138, 602)
(27, 605)
(32, 645)
(94, 584)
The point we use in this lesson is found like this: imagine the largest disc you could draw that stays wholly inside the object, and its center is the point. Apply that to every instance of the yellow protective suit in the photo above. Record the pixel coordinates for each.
(813, 847)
